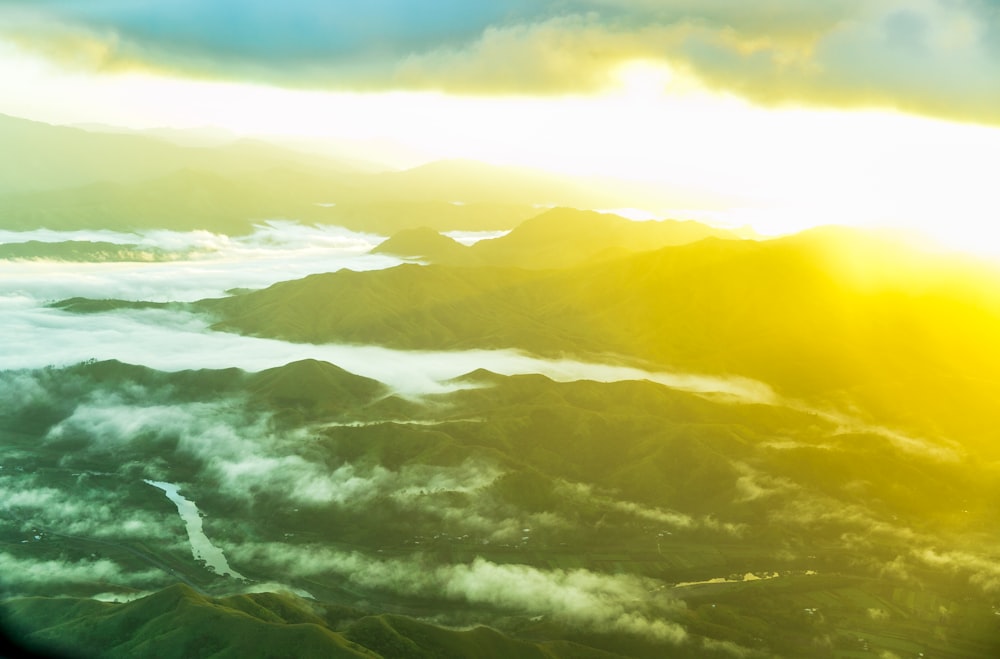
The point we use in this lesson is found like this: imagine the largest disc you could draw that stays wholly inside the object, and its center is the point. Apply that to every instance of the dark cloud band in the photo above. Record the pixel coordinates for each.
(938, 57)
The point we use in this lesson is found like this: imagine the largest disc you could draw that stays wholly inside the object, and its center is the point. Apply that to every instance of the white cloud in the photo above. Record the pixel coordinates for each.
(27, 573)
(597, 602)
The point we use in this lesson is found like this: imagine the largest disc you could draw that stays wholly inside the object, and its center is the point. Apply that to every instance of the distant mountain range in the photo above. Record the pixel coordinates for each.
(558, 238)
(70, 178)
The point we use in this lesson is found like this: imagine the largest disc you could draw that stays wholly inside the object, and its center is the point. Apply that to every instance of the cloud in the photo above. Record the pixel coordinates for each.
(583, 492)
(86, 510)
(935, 57)
(982, 571)
(597, 602)
(29, 573)
(931, 57)
(858, 525)
(753, 484)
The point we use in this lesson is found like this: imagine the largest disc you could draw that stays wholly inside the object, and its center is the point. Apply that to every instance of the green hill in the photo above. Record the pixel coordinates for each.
(176, 622)
(180, 623)
(315, 385)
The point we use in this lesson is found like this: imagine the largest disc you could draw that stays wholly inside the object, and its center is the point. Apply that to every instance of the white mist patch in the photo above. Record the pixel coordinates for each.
(585, 493)
(201, 547)
(208, 264)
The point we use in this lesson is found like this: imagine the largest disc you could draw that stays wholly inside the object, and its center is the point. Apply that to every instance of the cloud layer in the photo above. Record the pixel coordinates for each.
(936, 57)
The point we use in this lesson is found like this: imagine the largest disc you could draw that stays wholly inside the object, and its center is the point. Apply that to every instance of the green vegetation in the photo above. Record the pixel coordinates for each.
(869, 544)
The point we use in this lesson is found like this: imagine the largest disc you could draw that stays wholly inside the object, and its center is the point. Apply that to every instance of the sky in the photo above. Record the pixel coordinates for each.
(789, 113)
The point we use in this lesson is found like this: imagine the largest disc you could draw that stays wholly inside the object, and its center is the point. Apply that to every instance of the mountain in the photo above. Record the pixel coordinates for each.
(53, 157)
(361, 209)
(315, 385)
(576, 519)
(558, 238)
(800, 313)
(179, 622)
(566, 237)
(176, 622)
(409, 306)
(429, 245)
(65, 177)
(184, 200)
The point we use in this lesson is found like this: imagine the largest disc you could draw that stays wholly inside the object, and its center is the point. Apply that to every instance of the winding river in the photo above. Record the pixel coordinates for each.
(201, 547)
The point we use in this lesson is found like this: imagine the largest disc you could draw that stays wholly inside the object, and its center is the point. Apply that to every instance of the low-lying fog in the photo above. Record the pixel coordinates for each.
(36, 337)
(202, 264)
(210, 264)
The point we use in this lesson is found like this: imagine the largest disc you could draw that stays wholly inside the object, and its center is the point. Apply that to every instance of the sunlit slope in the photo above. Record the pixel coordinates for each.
(558, 238)
(825, 314)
